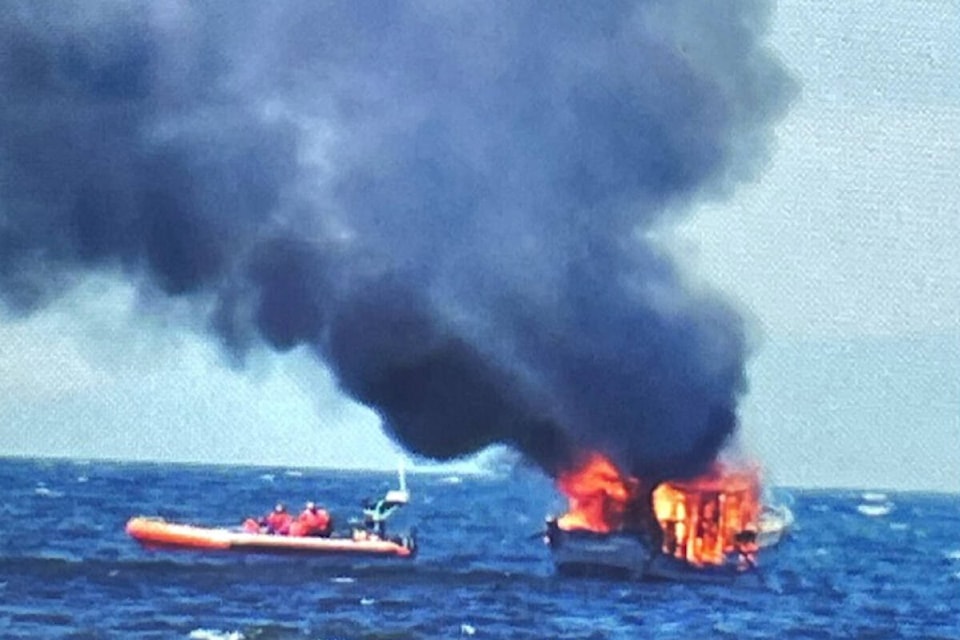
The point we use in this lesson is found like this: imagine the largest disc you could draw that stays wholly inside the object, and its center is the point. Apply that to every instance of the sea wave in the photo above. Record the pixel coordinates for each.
(875, 510)
(215, 634)
(842, 575)
(47, 492)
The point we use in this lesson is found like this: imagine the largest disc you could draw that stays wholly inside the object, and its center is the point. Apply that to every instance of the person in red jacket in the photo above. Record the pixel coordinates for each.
(314, 521)
(279, 520)
(251, 525)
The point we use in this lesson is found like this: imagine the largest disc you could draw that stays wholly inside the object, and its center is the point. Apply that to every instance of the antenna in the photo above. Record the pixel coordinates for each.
(399, 496)
(402, 474)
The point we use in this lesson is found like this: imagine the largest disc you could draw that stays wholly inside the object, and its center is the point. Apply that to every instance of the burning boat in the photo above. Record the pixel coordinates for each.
(705, 528)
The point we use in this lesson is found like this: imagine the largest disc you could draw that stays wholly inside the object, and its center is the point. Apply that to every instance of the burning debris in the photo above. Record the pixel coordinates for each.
(618, 521)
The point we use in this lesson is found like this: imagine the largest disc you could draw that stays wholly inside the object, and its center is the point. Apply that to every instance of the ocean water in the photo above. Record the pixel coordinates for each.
(858, 564)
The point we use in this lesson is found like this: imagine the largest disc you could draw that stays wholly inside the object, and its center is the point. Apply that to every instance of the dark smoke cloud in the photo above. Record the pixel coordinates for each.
(447, 201)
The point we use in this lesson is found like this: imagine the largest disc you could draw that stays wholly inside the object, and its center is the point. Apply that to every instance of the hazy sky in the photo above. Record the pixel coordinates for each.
(843, 253)
(846, 252)
(852, 231)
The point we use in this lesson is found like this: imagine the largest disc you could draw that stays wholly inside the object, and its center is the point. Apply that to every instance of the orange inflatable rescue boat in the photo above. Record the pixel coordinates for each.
(364, 539)
(158, 533)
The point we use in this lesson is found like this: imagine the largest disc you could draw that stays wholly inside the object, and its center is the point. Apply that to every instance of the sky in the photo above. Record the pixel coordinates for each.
(841, 253)
(844, 252)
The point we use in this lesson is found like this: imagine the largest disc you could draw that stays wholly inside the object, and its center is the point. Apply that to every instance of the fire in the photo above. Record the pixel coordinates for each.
(708, 518)
(703, 520)
(598, 496)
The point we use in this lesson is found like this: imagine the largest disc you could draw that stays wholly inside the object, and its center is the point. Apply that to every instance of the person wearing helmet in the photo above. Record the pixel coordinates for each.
(313, 521)
(278, 522)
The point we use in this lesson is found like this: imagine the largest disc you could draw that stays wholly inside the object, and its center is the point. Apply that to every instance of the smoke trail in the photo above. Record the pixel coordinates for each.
(447, 201)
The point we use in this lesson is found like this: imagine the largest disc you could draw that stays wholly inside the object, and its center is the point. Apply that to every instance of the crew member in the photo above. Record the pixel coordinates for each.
(314, 521)
(251, 525)
(278, 522)
(373, 520)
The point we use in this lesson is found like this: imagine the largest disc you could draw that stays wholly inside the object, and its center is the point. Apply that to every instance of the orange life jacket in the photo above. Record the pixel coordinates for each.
(279, 522)
(314, 523)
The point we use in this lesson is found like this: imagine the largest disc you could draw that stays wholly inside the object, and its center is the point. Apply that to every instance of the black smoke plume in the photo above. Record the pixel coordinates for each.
(449, 202)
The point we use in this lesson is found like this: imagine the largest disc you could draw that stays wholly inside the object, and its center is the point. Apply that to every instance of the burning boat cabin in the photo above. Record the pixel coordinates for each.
(701, 528)
(710, 519)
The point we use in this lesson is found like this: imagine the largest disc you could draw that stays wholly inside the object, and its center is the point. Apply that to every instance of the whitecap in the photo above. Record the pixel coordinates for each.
(367, 601)
(267, 476)
(953, 554)
(875, 510)
(874, 496)
(82, 479)
(214, 634)
(47, 493)
(343, 580)
(452, 480)
(467, 629)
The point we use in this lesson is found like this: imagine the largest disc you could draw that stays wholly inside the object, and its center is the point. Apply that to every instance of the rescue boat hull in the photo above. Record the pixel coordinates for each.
(159, 533)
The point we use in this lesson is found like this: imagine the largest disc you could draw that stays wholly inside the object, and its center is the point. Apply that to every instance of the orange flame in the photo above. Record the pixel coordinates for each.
(598, 496)
(708, 518)
(703, 520)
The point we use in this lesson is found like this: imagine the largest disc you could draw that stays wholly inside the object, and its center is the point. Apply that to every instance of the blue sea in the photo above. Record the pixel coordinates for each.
(859, 564)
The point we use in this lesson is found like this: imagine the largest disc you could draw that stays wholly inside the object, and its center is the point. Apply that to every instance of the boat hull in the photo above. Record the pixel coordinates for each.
(158, 533)
(774, 524)
(582, 553)
(628, 555)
